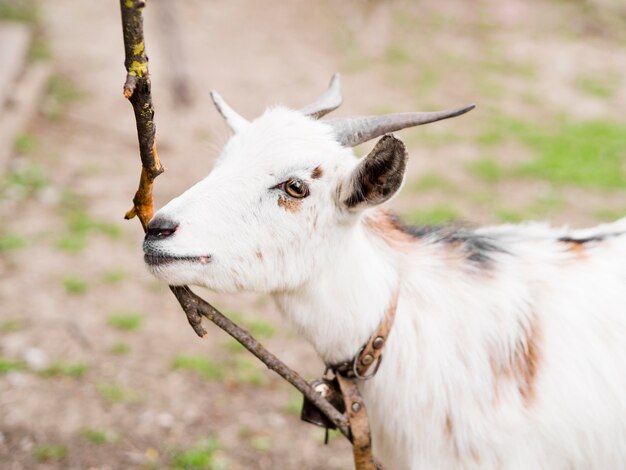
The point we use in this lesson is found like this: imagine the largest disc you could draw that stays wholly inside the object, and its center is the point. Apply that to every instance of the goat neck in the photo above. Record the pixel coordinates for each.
(343, 303)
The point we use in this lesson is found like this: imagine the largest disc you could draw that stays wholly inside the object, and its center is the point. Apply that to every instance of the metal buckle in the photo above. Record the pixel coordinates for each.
(371, 374)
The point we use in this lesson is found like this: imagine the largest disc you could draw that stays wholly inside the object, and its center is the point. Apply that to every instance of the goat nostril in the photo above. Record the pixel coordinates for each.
(166, 232)
(161, 228)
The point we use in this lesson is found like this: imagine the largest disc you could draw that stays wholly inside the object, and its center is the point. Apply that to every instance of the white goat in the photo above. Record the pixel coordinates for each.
(509, 344)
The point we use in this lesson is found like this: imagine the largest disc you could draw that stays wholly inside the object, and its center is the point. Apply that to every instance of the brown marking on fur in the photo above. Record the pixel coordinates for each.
(259, 255)
(317, 173)
(447, 428)
(496, 372)
(576, 248)
(528, 362)
(292, 205)
(448, 431)
(383, 224)
(522, 367)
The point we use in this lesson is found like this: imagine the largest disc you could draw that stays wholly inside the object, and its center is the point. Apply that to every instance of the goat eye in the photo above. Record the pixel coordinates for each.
(295, 188)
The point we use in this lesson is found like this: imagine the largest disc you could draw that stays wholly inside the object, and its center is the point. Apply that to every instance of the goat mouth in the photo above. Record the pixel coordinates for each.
(162, 260)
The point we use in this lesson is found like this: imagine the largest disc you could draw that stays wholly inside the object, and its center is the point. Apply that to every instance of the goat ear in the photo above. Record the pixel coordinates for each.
(378, 176)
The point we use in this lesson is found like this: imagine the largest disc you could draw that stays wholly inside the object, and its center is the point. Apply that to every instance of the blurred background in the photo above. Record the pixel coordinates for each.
(98, 367)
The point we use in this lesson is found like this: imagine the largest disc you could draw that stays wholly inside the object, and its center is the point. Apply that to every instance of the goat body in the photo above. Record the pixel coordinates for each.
(508, 348)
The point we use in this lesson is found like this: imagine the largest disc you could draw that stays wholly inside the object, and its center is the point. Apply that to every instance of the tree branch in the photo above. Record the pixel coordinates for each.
(137, 90)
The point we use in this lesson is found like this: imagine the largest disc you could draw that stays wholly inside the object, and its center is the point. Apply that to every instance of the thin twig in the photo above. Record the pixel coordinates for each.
(137, 90)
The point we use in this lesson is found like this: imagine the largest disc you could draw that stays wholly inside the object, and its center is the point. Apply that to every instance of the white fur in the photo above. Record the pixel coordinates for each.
(444, 396)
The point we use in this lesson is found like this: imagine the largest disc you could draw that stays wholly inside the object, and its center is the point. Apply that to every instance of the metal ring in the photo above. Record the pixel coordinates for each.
(371, 374)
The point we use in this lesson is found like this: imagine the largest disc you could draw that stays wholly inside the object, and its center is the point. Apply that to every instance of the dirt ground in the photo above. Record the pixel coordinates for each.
(98, 367)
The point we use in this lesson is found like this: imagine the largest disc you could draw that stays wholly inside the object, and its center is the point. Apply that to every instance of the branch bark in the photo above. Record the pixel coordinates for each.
(137, 90)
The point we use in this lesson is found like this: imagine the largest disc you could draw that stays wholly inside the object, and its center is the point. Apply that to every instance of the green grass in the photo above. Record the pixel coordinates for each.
(114, 276)
(509, 215)
(427, 80)
(61, 93)
(431, 182)
(588, 154)
(125, 321)
(39, 49)
(432, 216)
(602, 87)
(99, 436)
(23, 182)
(72, 243)
(606, 214)
(258, 328)
(397, 55)
(75, 285)
(483, 195)
(11, 325)
(501, 129)
(205, 367)
(496, 62)
(81, 222)
(72, 201)
(79, 225)
(11, 243)
(233, 346)
(261, 443)
(261, 329)
(294, 405)
(119, 349)
(25, 143)
(114, 393)
(22, 11)
(237, 367)
(247, 371)
(48, 452)
(9, 365)
(545, 205)
(65, 369)
(201, 456)
(487, 169)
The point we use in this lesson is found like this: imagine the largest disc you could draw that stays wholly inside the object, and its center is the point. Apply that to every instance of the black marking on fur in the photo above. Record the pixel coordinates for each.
(594, 239)
(479, 248)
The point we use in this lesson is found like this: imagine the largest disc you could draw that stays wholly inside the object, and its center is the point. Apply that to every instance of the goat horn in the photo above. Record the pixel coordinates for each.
(354, 131)
(329, 101)
(234, 120)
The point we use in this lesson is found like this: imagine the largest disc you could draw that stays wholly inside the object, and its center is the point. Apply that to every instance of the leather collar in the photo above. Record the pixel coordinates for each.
(371, 353)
